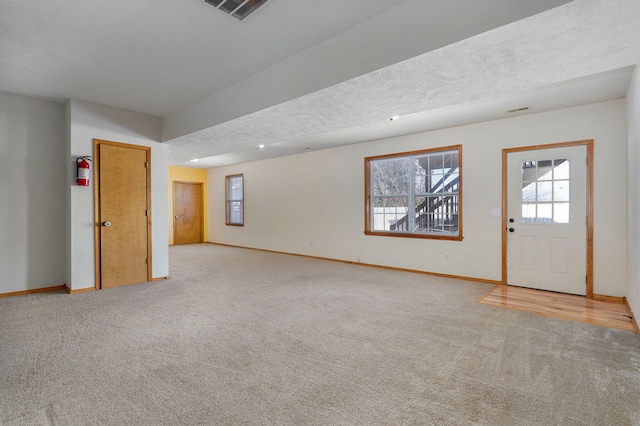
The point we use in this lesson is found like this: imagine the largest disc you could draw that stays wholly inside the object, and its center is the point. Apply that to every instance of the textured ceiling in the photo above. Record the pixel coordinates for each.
(156, 56)
(568, 56)
(308, 74)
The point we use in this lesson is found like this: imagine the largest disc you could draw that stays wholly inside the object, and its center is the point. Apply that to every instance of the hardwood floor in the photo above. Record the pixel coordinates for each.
(608, 312)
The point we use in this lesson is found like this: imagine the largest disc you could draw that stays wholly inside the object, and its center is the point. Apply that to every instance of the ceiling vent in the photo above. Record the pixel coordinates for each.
(237, 8)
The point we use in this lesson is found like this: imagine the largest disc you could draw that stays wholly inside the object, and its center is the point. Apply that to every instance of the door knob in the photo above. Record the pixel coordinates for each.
(107, 224)
(511, 230)
(512, 220)
(176, 216)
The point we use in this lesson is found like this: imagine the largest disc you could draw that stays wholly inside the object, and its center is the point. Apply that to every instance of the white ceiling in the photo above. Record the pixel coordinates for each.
(156, 56)
(301, 74)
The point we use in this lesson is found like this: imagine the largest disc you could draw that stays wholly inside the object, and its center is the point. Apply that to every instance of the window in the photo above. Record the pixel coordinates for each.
(415, 194)
(545, 191)
(234, 199)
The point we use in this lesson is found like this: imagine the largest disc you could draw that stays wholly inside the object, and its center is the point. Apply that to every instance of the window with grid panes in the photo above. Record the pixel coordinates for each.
(415, 194)
(234, 200)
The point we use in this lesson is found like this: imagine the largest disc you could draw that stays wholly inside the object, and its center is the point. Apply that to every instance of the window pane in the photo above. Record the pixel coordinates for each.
(379, 180)
(390, 177)
(561, 212)
(545, 169)
(399, 203)
(401, 184)
(437, 183)
(545, 212)
(544, 191)
(561, 170)
(450, 161)
(529, 212)
(235, 182)
(421, 180)
(435, 164)
(450, 180)
(561, 190)
(387, 212)
(529, 193)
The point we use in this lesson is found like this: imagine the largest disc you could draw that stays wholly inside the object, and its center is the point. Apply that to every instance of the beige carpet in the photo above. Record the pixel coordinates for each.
(247, 337)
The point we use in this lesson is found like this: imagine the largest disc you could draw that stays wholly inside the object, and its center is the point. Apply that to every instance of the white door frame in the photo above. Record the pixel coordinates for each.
(590, 150)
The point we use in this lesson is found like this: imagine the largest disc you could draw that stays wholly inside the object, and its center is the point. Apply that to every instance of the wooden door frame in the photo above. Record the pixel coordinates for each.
(590, 185)
(96, 205)
(173, 203)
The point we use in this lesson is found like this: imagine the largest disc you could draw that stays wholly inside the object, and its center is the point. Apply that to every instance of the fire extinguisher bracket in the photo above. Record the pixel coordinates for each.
(83, 170)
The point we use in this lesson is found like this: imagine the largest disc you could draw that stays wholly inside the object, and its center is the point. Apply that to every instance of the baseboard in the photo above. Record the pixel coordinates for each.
(160, 278)
(605, 298)
(370, 265)
(80, 290)
(634, 320)
(35, 290)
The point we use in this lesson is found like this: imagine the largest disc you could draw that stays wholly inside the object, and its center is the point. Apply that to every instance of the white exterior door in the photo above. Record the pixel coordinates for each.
(547, 219)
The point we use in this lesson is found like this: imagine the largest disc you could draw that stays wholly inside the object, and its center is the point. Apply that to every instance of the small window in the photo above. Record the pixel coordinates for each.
(415, 194)
(234, 198)
(545, 191)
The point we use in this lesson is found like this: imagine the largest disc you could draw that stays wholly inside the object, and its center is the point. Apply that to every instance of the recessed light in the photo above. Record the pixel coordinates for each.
(395, 117)
(260, 146)
(195, 160)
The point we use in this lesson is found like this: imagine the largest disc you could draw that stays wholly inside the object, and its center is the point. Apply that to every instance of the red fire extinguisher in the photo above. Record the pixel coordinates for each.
(82, 176)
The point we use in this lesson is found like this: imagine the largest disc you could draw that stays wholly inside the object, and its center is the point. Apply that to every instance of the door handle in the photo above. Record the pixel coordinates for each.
(107, 224)
(176, 216)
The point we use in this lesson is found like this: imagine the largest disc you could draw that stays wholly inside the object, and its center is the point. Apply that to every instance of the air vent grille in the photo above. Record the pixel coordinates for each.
(237, 8)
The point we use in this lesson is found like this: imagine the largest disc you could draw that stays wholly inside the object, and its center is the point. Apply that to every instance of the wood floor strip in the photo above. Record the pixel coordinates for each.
(608, 313)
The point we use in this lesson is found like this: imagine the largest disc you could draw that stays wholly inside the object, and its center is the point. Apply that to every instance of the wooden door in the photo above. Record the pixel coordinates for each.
(123, 209)
(547, 219)
(188, 214)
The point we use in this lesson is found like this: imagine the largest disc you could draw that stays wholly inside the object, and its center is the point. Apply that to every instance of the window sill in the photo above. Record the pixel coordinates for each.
(415, 235)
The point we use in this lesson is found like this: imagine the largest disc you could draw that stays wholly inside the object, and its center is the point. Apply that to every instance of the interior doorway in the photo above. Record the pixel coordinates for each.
(548, 217)
(122, 213)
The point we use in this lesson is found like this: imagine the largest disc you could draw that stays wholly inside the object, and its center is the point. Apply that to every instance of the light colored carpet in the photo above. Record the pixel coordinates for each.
(247, 337)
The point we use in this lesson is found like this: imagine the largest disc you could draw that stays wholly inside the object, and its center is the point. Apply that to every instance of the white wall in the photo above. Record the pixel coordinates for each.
(313, 203)
(90, 121)
(32, 194)
(633, 134)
